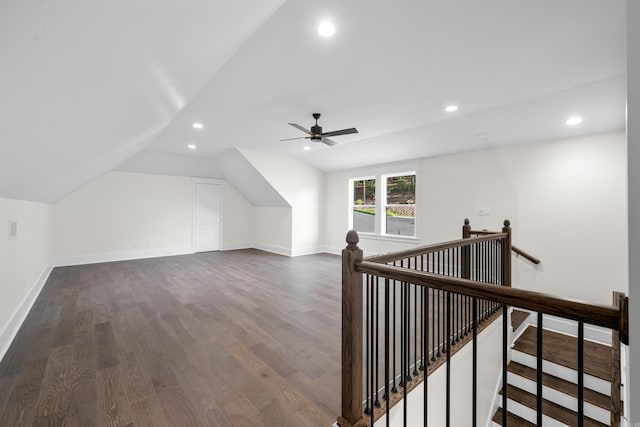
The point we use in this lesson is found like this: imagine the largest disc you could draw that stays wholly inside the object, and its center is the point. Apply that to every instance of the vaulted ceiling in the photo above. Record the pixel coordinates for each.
(86, 85)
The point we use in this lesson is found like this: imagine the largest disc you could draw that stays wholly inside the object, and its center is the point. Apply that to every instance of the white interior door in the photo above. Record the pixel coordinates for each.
(208, 215)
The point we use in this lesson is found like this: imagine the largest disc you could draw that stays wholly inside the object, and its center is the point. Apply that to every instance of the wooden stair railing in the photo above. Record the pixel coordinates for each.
(466, 228)
(458, 285)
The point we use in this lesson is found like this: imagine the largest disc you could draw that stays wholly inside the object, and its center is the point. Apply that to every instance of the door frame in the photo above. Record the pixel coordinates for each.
(195, 181)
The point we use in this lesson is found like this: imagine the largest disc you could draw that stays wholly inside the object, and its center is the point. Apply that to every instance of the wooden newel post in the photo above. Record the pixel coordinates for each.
(506, 254)
(465, 259)
(621, 302)
(352, 410)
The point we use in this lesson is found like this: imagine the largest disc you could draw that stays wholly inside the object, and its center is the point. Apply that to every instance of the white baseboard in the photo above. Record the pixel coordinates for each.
(307, 251)
(330, 250)
(18, 316)
(570, 327)
(120, 256)
(273, 249)
(236, 246)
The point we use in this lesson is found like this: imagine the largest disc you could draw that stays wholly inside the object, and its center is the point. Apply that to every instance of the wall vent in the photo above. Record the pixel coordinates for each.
(13, 229)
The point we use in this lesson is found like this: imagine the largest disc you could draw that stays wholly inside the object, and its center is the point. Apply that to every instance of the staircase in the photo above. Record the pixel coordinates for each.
(560, 377)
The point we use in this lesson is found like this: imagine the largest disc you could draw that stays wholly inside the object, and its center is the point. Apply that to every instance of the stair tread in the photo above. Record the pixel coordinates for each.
(518, 317)
(549, 408)
(512, 420)
(561, 385)
(561, 349)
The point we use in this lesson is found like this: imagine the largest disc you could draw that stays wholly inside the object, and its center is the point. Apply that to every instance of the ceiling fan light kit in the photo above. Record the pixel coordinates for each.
(316, 134)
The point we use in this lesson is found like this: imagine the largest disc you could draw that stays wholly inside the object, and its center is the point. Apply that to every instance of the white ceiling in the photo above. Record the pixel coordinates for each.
(87, 85)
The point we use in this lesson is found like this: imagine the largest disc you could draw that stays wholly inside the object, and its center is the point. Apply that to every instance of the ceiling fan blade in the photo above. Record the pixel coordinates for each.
(329, 142)
(300, 137)
(340, 132)
(300, 127)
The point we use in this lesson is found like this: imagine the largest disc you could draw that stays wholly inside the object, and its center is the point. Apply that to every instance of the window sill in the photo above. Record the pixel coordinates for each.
(389, 238)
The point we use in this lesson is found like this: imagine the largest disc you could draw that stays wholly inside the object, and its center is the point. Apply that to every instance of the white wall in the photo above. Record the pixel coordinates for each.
(238, 219)
(124, 215)
(273, 228)
(633, 146)
(24, 262)
(564, 199)
(303, 188)
(489, 369)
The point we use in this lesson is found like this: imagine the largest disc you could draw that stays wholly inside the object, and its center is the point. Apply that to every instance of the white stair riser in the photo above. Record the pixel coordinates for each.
(592, 411)
(530, 414)
(567, 374)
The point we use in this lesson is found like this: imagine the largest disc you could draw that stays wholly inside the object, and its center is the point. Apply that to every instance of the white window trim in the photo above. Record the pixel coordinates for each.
(380, 174)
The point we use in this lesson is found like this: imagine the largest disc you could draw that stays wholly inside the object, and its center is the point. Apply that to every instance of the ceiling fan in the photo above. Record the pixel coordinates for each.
(316, 134)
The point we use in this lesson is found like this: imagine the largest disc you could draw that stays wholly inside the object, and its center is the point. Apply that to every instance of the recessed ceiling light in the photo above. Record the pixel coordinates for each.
(191, 147)
(451, 108)
(326, 29)
(575, 120)
(198, 125)
(307, 148)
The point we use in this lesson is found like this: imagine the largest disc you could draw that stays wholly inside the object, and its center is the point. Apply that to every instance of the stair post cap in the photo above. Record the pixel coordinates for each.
(507, 223)
(466, 221)
(352, 239)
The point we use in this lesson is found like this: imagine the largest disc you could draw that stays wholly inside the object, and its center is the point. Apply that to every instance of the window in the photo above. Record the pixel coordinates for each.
(364, 205)
(393, 214)
(400, 205)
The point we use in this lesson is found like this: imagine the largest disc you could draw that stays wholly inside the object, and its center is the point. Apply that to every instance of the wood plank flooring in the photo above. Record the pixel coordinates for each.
(240, 338)
(562, 349)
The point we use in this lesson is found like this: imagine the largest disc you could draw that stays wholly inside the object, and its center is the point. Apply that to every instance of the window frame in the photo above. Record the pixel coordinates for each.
(380, 175)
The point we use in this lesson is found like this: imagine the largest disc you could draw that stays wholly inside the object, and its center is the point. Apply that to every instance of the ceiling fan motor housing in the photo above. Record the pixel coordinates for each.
(316, 133)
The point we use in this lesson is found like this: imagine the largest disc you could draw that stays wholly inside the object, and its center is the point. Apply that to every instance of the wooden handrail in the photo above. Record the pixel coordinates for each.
(595, 314)
(513, 248)
(394, 256)
(525, 255)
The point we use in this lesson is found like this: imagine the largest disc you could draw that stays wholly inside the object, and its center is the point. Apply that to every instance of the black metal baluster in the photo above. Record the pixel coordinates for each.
(425, 348)
(377, 353)
(505, 343)
(432, 310)
(402, 335)
(422, 320)
(539, 371)
(394, 388)
(415, 330)
(441, 348)
(452, 313)
(405, 378)
(475, 362)
(407, 330)
(448, 331)
(367, 408)
(438, 354)
(386, 348)
(372, 365)
(580, 374)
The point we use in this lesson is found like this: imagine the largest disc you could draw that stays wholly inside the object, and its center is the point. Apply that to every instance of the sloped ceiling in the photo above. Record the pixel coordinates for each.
(86, 86)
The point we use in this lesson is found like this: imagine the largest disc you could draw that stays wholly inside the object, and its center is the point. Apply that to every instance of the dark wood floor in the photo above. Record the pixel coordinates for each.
(240, 338)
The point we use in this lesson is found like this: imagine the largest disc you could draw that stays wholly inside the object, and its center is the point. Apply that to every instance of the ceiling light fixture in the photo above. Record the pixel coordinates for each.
(191, 147)
(326, 29)
(307, 148)
(451, 108)
(198, 125)
(575, 120)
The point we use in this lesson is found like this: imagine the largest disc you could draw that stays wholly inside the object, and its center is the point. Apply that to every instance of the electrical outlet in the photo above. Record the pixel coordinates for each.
(484, 211)
(13, 229)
